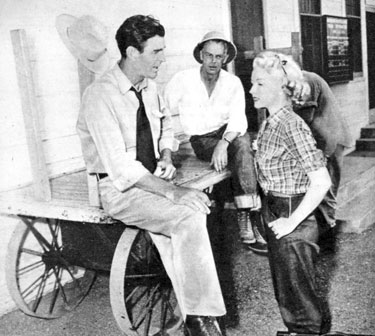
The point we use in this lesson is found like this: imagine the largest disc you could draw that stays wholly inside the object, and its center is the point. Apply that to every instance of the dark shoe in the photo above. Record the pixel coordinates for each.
(201, 326)
(260, 245)
(258, 248)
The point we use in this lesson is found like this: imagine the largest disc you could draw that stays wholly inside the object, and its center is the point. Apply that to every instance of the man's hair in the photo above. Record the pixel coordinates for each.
(136, 30)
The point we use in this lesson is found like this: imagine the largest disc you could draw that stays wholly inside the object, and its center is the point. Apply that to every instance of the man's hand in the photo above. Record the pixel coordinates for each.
(165, 169)
(220, 156)
(190, 197)
(282, 227)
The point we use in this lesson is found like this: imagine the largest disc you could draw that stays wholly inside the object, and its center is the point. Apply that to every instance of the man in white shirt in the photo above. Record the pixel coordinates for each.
(211, 105)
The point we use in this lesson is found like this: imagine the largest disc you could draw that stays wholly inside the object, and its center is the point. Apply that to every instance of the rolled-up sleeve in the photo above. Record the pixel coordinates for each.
(104, 129)
(167, 139)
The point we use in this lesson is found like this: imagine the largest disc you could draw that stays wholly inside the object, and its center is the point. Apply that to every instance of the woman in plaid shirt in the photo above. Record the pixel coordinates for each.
(293, 176)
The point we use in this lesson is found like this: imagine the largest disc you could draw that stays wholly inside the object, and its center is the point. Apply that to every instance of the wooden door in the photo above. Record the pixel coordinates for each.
(370, 23)
(247, 23)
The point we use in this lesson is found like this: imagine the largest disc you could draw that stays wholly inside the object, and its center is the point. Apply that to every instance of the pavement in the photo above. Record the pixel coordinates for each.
(346, 278)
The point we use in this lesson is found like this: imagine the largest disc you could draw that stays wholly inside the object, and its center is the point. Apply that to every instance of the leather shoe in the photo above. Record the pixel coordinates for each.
(201, 326)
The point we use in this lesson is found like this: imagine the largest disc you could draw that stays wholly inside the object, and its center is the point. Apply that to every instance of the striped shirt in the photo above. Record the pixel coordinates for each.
(286, 153)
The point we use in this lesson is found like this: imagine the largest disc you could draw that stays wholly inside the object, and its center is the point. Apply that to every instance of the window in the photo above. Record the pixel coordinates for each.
(311, 35)
(353, 12)
(314, 41)
(309, 6)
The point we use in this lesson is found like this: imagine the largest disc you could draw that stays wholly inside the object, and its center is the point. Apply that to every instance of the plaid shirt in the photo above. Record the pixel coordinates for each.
(286, 153)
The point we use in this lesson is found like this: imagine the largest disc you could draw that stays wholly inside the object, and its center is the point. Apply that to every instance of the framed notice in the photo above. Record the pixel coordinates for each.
(337, 66)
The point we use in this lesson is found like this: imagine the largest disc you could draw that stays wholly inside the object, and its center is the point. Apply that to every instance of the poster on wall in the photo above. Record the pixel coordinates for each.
(336, 61)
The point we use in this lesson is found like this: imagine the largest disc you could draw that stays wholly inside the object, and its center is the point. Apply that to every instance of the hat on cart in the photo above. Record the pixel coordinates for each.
(86, 38)
(215, 35)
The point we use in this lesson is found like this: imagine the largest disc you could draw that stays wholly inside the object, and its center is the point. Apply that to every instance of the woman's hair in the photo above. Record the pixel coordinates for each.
(136, 30)
(283, 67)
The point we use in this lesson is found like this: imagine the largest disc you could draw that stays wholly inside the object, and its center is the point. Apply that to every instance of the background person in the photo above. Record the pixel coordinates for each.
(321, 112)
(292, 174)
(211, 105)
(127, 141)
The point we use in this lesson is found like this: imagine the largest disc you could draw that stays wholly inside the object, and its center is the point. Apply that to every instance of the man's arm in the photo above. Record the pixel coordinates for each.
(220, 155)
(192, 198)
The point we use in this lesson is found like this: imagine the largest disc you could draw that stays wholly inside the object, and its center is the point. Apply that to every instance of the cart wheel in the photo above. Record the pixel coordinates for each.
(40, 280)
(142, 297)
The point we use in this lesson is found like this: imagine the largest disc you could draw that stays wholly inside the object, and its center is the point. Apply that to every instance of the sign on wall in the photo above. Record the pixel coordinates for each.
(335, 46)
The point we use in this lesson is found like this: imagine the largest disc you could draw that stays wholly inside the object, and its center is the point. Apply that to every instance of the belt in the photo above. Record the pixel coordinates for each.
(100, 176)
(279, 194)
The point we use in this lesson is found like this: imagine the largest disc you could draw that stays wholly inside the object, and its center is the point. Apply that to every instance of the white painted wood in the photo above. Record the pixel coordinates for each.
(31, 115)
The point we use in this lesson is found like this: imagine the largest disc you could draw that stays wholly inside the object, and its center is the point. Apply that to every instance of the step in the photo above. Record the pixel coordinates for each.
(358, 214)
(368, 132)
(357, 173)
(365, 144)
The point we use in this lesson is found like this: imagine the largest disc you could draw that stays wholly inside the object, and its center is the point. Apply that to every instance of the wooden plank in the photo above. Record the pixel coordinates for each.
(30, 114)
(86, 77)
(70, 193)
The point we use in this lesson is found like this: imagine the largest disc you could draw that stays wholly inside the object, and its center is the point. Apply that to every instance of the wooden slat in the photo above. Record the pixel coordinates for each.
(86, 77)
(30, 114)
(70, 193)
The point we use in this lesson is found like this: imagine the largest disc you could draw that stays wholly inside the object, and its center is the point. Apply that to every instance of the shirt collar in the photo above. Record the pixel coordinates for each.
(274, 119)
(124, 82)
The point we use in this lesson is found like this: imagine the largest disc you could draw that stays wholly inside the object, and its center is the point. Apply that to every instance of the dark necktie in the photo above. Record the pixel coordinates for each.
(144, 143)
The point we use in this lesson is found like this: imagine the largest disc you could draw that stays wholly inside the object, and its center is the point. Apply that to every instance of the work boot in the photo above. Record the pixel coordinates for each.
(201, 326)
(244, 223)
(260, 245)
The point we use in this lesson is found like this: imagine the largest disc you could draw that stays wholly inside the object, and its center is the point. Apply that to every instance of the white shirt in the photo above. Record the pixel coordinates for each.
(107, 127)
(187, 96)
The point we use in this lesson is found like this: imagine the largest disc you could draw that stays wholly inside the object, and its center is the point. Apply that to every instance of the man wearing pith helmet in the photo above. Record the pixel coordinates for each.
(211, 104)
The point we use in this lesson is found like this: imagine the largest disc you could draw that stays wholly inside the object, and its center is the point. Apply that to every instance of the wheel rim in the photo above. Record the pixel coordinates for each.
(40, 279)
(142, 297)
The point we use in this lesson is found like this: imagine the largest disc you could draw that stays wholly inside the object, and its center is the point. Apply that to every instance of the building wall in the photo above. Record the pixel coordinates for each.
(282, 17)
(56, 79)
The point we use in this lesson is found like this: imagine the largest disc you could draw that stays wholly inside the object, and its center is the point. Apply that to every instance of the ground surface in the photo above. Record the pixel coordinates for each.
(346, 278)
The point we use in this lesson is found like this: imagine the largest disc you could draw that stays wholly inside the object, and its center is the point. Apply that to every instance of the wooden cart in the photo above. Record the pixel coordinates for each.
(59, 245)
(64, 238)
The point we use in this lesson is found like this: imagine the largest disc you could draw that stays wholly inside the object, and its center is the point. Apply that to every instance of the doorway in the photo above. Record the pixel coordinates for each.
(247, 23)
(370, 23)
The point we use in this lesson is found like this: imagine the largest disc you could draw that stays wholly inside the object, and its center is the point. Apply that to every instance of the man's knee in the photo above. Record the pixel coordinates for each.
(190, 221)
(242, 147)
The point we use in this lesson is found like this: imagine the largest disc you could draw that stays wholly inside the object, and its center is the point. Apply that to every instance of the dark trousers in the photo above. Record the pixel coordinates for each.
(240, 159)
(325, 213)
(291, 260)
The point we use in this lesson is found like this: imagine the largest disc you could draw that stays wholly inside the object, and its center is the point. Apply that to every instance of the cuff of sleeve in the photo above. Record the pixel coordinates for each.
(123, 183)
(172, 144)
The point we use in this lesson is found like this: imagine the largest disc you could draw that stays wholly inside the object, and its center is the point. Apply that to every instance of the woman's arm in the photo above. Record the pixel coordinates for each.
(320, 182)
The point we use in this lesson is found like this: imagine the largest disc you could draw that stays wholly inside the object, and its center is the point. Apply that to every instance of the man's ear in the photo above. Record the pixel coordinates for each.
(132, 52)
(201, 55)
(225, 59)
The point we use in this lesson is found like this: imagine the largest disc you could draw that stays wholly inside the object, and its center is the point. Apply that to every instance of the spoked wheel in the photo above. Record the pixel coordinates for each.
(41, 281)
(142, 297)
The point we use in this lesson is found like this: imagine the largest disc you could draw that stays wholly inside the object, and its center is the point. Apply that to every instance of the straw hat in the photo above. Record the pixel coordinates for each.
(215, 35)
(86, 38)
